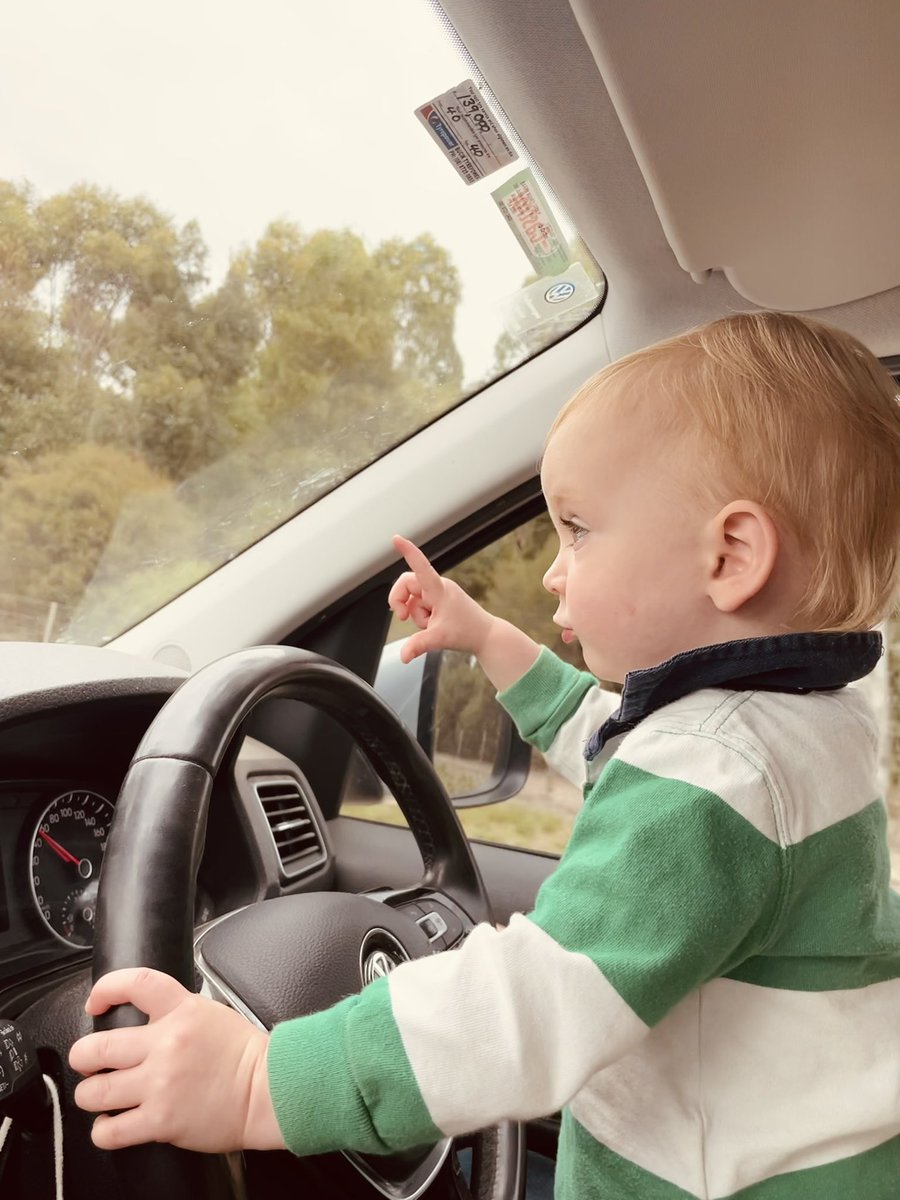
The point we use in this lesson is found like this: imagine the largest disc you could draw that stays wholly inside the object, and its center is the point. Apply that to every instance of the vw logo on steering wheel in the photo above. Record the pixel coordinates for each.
(376, 965)
(379, 954)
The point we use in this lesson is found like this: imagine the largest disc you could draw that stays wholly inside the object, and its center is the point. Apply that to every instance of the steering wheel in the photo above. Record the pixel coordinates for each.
(279, 958)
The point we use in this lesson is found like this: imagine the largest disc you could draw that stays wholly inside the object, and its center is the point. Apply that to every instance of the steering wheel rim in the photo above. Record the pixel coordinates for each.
(145, 902)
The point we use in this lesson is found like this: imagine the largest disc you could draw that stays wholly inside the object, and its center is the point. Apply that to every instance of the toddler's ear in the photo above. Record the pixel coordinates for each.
(742, 550)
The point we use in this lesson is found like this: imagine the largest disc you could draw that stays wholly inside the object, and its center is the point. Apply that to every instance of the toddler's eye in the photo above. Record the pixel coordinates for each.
(577, 531)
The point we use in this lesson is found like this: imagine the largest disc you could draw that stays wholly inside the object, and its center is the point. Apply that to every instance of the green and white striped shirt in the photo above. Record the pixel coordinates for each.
(709, 984)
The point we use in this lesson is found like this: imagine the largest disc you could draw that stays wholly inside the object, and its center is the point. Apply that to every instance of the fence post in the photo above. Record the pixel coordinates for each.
(52, 610)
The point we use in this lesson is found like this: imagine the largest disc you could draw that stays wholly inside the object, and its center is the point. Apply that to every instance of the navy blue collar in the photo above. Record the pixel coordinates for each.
(789, 662)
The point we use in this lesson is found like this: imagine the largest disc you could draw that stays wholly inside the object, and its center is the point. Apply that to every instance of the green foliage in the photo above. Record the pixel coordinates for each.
(158, 426)
(56, 514)
(21, 247)
(424, 296)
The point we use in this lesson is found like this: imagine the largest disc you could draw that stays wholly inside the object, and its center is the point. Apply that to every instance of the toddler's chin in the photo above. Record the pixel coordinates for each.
(600, 666)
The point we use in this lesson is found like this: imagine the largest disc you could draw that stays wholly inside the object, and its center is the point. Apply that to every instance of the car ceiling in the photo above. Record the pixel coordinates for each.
(748, 145)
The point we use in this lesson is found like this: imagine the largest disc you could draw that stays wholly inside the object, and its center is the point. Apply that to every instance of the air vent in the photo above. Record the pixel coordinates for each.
(298, 839)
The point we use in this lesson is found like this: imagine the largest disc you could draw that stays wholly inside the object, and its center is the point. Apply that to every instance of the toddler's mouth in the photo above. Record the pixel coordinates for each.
(568, 636)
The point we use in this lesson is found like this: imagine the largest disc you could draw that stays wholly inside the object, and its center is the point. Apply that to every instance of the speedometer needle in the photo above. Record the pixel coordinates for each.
(60, 850)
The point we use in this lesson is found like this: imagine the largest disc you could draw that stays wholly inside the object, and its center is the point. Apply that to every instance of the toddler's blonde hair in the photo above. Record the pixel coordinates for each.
(799, 417)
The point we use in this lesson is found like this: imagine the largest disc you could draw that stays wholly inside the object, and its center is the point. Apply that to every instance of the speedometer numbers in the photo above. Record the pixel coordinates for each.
(66, 853)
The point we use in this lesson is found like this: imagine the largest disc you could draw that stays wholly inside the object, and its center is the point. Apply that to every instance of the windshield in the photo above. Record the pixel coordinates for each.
(244, 251)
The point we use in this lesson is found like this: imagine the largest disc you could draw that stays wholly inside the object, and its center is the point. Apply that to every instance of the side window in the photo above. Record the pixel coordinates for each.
(465, 730)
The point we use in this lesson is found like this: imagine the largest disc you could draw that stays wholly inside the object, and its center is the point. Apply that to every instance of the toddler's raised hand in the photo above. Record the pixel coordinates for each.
(195, 1076)
(447, 618)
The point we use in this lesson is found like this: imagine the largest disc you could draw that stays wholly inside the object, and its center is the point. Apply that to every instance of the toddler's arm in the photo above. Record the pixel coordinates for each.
(662, 883)
(449, 619)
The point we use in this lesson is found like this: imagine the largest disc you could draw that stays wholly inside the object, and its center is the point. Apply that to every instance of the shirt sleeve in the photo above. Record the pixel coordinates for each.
(556, 708)
(664, 885)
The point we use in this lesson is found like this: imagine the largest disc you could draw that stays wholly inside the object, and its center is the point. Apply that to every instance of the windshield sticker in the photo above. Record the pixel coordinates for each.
(561, 301)
(528, 214)
(464, 128)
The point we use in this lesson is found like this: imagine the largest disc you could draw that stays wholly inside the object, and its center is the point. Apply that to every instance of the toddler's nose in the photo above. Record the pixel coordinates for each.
(554, 577)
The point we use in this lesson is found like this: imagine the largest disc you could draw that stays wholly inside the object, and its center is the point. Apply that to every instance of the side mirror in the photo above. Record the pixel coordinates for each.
(445, 700)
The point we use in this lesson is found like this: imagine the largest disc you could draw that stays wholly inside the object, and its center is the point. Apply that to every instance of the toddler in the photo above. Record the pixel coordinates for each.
(709, 983)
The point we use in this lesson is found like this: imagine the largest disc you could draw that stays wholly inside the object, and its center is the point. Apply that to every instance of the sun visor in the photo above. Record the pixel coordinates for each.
(767, 134)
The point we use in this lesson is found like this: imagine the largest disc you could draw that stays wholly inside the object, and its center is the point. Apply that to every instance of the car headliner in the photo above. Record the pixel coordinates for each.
(757, 136)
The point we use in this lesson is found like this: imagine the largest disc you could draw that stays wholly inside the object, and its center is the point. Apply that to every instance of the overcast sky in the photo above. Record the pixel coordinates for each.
(237, 112)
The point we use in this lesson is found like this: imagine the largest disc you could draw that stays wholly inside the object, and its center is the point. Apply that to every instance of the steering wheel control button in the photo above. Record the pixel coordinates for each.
(433, 926)
(23, 1095)
(452, 930)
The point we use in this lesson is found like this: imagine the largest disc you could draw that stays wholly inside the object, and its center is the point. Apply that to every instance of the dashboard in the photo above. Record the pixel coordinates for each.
(71, 719)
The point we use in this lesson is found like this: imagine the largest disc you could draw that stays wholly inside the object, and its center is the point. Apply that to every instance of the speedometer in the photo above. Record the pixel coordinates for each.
(64, 864)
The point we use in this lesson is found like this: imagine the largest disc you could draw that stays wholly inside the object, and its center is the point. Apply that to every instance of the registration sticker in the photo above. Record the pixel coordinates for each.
(528, 214)
(464, 128)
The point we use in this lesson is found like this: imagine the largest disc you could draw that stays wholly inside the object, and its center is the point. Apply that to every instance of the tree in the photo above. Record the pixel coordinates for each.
(107, 336)
(103, 255)
(56, 517)
(29, 368)
(348, 333)
(355, 351)
(425, 295)
(226, 409)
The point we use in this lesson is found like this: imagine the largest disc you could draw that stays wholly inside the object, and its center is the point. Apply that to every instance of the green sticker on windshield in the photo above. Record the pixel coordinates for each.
(528, 214)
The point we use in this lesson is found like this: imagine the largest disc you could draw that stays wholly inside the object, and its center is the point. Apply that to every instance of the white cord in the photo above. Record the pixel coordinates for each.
(57, 1135)
(6, 1125)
